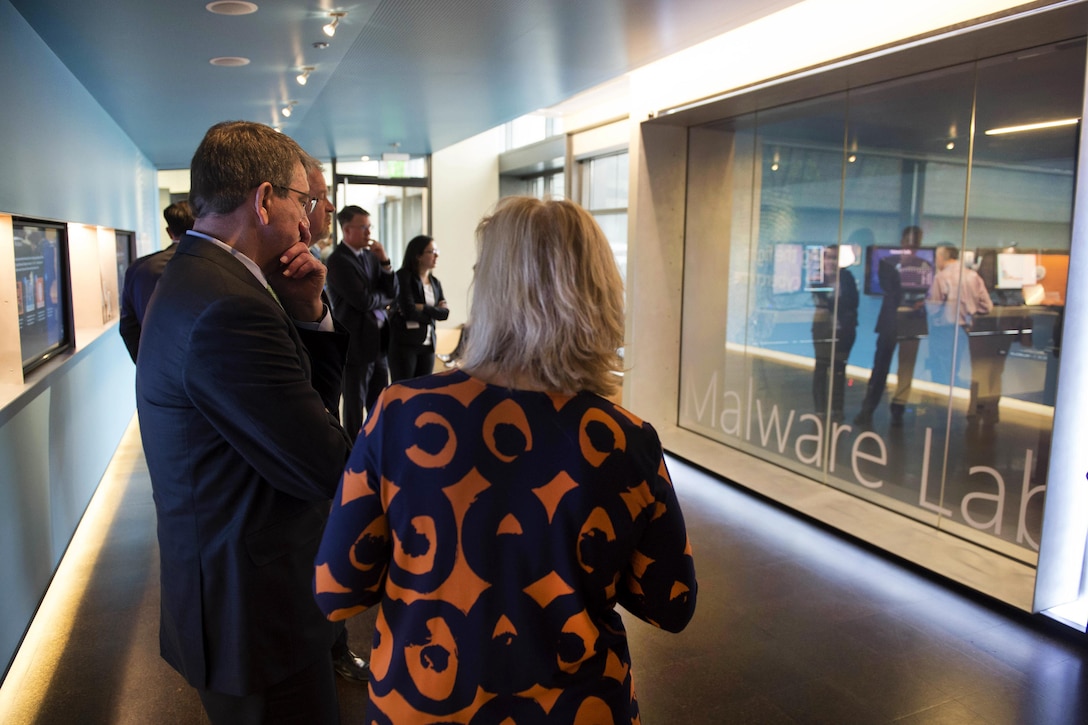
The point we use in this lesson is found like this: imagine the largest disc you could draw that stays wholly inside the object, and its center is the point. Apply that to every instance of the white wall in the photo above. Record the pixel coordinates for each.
(465, 185)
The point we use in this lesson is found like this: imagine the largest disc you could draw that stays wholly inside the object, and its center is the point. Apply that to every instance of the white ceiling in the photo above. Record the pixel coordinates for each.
(421, 74)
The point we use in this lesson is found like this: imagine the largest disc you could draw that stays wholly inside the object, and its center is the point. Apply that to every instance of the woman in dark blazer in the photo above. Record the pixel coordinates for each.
(419, 304)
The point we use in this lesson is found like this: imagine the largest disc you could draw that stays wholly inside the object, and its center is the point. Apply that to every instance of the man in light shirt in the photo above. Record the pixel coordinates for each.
(956, 296)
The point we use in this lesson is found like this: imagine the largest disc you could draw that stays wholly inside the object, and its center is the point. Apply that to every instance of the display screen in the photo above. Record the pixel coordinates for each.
(1015, 271)
(1024, 277)
(126, 252)
(808, 267)
(788, 264)
(41, 290)
(915, 266)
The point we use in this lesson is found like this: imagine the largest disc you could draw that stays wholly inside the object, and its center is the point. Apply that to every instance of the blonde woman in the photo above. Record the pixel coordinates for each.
(500, 512)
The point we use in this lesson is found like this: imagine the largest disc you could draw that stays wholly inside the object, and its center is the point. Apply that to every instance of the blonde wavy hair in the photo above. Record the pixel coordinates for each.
(547, 302)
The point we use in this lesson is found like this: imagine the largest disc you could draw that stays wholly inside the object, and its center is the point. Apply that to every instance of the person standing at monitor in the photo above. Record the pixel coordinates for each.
(957, 295)
(238, 373)
(143, 275)
(904, 278)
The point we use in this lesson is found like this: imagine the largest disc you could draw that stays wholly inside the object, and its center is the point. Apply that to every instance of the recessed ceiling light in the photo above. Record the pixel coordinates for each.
(229, 61)
(231, 7)
(321, 45)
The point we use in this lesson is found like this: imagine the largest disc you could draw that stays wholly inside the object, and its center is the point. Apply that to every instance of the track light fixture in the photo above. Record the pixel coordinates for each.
(304, 75)
(286, 110)
(330, 28)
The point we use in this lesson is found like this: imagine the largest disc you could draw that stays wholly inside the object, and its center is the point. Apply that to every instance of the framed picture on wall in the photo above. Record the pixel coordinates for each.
(42, 290)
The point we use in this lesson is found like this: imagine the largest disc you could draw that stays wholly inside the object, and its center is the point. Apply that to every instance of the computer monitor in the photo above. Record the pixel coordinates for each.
(42, 290)
(914, 276)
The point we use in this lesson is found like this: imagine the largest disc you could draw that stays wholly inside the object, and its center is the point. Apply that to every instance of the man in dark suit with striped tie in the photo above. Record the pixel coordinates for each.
(237, 377)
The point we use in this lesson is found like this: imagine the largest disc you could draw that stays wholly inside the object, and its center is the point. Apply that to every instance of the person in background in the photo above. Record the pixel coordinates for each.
(321, 215)
(498, 513)
(346, 663)
(834, 329)
(238, 372)
(322, 249)
(956, 296)
(142, 276)
(905, 279)
(419, 303)
(361, 286)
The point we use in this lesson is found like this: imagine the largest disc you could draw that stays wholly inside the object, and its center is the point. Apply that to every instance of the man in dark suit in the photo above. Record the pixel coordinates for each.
(142, 276)
(905, 279)
(239, 370)
(346, 663)
(361, 288)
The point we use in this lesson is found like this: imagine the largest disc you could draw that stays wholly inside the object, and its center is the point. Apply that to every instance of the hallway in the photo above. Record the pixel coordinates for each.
(794, 625)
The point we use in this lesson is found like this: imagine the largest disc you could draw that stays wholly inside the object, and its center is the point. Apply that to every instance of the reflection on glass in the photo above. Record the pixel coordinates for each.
(930, 351)
(834, 322)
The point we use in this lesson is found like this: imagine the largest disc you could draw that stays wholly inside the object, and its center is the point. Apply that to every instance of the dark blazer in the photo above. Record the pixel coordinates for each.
(409, 294)
(244, 457)
(901, 312)
(140, 280)
(358, 288)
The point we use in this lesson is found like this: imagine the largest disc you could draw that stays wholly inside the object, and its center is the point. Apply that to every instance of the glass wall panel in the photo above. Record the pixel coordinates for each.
(1017, 239)
(905, 189)
(542, 186)
(874, 285)
(759, 262)
(415, 167)
(397, 213)
(718, 268)
(604, 194)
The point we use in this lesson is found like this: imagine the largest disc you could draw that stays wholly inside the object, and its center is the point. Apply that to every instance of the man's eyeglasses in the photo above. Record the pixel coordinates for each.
(309, 205)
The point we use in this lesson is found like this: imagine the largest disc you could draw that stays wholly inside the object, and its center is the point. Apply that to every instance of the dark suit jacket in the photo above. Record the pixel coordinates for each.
(409, 294)
(244, 457)
(140, 280)
(888, 274)
(901, 312)
(358, 287)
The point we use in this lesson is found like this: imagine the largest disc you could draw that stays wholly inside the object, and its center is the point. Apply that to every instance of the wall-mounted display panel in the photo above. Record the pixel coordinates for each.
(42, 290)
(125, 251)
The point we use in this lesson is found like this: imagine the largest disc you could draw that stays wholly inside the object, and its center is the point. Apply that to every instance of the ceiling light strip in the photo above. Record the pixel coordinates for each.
(1032, 126)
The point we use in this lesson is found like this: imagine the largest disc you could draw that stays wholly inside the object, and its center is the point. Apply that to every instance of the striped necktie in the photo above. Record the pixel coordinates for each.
(275, 296)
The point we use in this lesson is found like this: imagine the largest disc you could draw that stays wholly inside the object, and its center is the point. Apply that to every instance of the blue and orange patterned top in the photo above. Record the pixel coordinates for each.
(498, 529)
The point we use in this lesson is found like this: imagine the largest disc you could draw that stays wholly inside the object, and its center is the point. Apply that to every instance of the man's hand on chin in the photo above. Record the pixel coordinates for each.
(299, 280)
